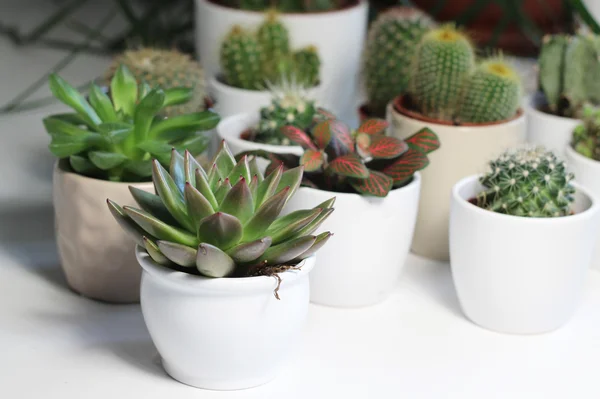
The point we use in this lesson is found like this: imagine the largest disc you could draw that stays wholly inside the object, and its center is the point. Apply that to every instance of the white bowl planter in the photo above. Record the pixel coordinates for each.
(338, 35)
(551, 131)
(226, 333)
(96, 254)
(516, 274)
(361, 263)
(464, 150)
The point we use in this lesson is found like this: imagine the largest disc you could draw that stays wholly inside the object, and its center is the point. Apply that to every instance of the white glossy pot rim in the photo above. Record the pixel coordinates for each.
(592, 163)
(59, 166)
(238, 91)
(299, 15)
(199, 284)
(466, 205)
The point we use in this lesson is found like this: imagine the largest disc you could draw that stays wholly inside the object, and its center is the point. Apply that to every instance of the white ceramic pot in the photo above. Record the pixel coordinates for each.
(465, 150)
(361, 263)
(587, 173)
(551, 131)
(97, 256)
(516, 274)
(593, 6)
(223, 333)
(338, 35)
(229, 129)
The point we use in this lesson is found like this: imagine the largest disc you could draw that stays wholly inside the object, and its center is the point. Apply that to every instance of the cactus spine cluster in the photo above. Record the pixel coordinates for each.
(391, 44)
(569, 73)
(166, 69)
(529, 182)
(586, 137)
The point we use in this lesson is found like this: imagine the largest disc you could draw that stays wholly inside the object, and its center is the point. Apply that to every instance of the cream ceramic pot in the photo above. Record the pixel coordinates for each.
(517, 274)
(338, 36)
(223, 333)
(464, 150)
(361, 262)
(97, 256)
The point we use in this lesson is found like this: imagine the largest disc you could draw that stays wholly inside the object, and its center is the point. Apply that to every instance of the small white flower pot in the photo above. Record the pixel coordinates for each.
(465, 150)
(223, 333)
(362, 261)
(96, 254)
(551, 131)
(338, 36)
(516, 274)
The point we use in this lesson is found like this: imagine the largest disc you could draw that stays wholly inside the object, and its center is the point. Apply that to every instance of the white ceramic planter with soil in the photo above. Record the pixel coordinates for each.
(334, 33)
(97, 256)
(465, 150)
(517, 274)
(223, 333)
(551, 131)
(362, 261)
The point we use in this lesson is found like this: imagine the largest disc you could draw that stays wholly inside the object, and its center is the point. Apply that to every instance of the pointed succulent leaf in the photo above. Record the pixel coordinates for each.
(254, 170)
(425, 141)
(240, 170)
(204, 187)
(155, 147)
(65, 146)
(298, 136)
(69, 96)
(221, 230)
(158, 228)
(341, 140)
(385, 147)
(406, 166)
(315, 224)
(287, 226)
(145, 112)
(253, 186)
(288, 250)
(170, 195)
(322, 134)
(155, 252)
(350, 165)
(238, 201)
(312, 160)
(326, 204)
(126, 223)
(196, 144)
(213, 262)
(177, 95)
(58, 127)
(189, 168)
(267, 188)
(180, 254)
(152, 204)
(123, 90)
(222, 189)
(213, 177)
(291, 178)
(318, 244)
(376, 184)
(116, 131)
(249, 251)
(373, 126)
(143, 89)
(265, 215)
(102, 104)
(177, 169)
(194, 122)
(224, 160)
(82, 165)
(106, 160)
(198, 206)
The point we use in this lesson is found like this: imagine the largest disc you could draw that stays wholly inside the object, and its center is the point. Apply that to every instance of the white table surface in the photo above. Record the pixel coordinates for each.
(417, 344)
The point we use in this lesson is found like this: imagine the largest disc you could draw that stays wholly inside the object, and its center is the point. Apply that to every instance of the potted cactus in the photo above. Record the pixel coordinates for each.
(475, 109)
(104, 144)
(376, 184)
(525, 274)
(336, 28)
(222, 271)
(569, 75)
(391, 43)
(253, 61)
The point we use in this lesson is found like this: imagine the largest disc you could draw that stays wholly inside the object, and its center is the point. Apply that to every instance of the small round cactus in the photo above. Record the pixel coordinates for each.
(492, 93)
(241, 60)
(586, 137)
(307, 65)
(529, 182)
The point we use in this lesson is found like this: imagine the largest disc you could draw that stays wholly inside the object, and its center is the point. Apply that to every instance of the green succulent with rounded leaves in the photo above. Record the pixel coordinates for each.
(115, 136)
(224, 222)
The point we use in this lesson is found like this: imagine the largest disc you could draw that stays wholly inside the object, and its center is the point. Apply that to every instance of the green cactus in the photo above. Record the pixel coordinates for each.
(529, 182)
(551, 64)
(307, 65)
(443, 61)
(492, 93)
(391, 44)
(586, 137)
(241, 60)
(273, 38)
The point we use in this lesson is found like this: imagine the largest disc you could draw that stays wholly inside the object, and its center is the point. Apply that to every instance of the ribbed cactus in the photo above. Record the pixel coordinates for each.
(492, 93)
(306, 66)
(241, 60)
(391, 44)
(528, 182)
(586, 137)
(273, 38)
(443, 61)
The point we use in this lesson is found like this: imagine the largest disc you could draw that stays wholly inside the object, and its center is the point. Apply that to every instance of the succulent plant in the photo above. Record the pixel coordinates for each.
(223, 222)
(167, 69)
(391, 44)
(586, 136)
(529, 182)
(114, 137)
(286, 5)
(365, 161)
(242, 60)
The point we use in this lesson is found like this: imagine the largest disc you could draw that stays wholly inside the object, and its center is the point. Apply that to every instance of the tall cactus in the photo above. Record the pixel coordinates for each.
(273, 37)
(241, 60)
(443, 61)
(391, 44)
(307, 66)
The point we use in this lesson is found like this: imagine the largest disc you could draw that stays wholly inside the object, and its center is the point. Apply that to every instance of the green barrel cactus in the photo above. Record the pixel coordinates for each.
(443, 60)
(391, 44)
(225, 221)
(586, 137)
(530, 182)
(273, 38)
(307, 65)
(242, 60)
(493, 93)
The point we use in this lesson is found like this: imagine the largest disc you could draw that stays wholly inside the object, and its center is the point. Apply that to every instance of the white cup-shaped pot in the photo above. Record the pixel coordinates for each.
(465, 150)
(361, 262)
(223, 333)
(551, 131)
(587, 173)
(517, 274)
(96, 254)
(338, 36)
